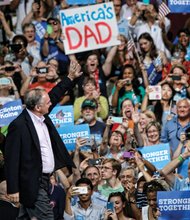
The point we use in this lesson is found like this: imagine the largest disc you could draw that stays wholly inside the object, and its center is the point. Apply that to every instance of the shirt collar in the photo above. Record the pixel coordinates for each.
(35, 117)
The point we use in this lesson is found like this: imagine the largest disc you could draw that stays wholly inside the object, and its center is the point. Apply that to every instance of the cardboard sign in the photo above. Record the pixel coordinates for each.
(179, 6)
(158, 155)
(155, 94)
(80, 2)
(174, 205)
(88, 28)
(62, 115)
(69, 134)
(9, 112)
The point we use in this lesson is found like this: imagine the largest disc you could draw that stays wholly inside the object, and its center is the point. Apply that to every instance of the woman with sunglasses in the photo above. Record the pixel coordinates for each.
(118, 213)
(52, 45)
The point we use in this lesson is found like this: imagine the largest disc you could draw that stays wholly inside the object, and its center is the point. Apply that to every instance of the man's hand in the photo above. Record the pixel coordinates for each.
(13, 197)
(74, 70)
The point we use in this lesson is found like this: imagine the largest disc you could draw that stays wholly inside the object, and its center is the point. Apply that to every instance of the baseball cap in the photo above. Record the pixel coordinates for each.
(89, 103)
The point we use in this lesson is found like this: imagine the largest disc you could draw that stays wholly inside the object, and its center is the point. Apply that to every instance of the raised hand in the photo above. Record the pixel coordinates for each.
(74, 70)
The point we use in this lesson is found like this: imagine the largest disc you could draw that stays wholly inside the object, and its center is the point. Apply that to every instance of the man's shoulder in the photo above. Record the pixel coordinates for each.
(99, 123)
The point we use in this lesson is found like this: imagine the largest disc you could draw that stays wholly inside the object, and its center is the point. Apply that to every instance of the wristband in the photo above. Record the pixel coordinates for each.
(180, 158)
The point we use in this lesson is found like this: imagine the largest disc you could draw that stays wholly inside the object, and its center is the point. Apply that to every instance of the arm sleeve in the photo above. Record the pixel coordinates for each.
(12, 158)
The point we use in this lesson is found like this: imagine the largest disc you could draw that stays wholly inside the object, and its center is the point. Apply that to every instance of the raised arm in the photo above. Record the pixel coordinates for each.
(167, 171)
(105, 139)
(107, 66)
(6, 26)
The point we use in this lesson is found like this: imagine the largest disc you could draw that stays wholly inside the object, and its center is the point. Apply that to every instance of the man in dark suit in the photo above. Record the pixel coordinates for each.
(34, 149)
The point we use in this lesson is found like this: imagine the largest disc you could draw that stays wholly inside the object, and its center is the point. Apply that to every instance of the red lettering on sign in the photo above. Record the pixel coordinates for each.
(98, 25)
(67, 33)
(87, 34)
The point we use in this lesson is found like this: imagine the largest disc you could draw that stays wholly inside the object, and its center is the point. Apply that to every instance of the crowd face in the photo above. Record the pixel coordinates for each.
(166, 92)
(93, 174)
(116, 139)
(107, 171)
(89, 87)
(128, 74)
(55, 25)
(43, 106)
(122, 46)
(118, 204)
(153, 135)
(151, 198)
(178, 71)
(117, 6)
(150, 12)
(29, 33)
(127, 108)
(92, 63)
(183, 109)
(85, 197)
(184, 39)
(42, 76)
(131, 3)
(144, 120)
(88, 114)
(140, 186)
(126, 177)
(145, 45)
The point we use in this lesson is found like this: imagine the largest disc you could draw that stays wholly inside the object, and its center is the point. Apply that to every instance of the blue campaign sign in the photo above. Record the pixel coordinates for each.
(69, 134)
(158, 154)
(62, 115)
(9, 112)
(174, 205)
(179, 6)
(80, 2)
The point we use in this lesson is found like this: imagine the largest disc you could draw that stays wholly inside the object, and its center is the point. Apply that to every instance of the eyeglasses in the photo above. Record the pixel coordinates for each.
(106, 168)
(53, 23)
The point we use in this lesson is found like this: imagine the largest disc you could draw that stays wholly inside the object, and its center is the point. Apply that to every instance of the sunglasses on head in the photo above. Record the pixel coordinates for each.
(53, 23)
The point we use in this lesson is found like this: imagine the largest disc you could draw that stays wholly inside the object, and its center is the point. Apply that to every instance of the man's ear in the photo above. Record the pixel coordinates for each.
(114, 172)
(37, 108)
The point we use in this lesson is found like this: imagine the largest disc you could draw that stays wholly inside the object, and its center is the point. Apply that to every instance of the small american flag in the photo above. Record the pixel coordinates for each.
(163, 10)
(130, 45)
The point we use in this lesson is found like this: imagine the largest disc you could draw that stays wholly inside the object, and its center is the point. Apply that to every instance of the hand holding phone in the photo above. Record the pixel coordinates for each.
(129, 155)
(110, 206)
(176, 77)
(94, 162)
(79, 190)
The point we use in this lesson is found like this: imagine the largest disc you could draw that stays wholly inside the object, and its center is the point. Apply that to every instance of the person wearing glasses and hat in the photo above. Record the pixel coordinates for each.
(88, 111)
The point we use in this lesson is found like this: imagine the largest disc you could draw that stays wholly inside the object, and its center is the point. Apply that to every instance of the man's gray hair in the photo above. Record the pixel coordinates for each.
(135, 172)
(33, 97)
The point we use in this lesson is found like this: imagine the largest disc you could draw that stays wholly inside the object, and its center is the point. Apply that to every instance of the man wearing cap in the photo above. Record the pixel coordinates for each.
(88, 111)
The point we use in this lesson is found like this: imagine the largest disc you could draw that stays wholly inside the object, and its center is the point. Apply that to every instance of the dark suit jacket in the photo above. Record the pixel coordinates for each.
(23, 164)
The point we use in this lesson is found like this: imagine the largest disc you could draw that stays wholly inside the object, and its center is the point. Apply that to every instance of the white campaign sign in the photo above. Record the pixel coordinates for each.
(88, 28)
